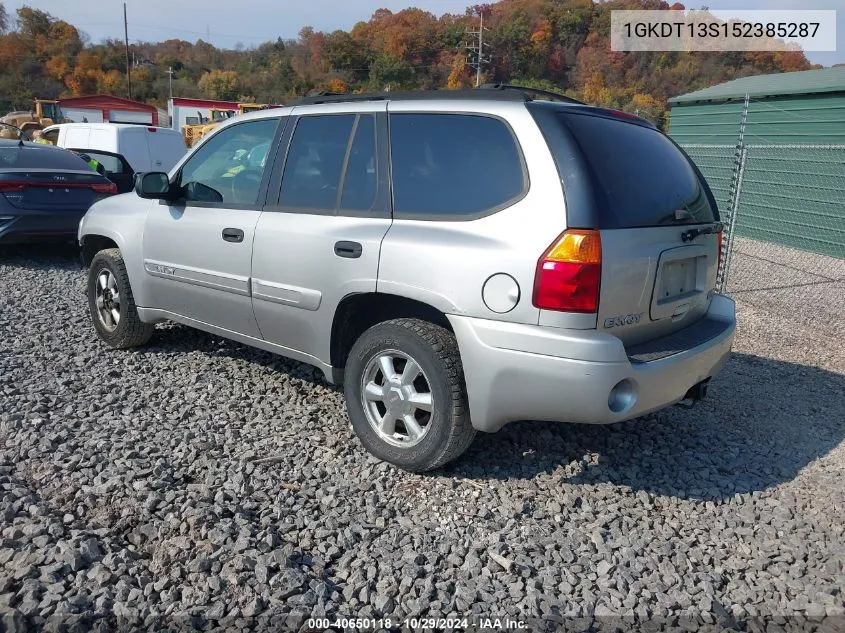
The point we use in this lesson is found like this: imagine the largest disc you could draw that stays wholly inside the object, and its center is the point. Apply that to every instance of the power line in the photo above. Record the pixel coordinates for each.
(170, 72)
(126, 36)
(476, 57)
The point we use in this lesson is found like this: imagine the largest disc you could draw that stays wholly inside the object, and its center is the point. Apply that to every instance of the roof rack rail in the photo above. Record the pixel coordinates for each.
(408, 96)
(503, 92)
(555, 96)
(336, 97)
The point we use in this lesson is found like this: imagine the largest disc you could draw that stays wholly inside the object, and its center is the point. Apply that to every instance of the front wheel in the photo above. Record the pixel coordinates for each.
(405, 393)
(111, 303)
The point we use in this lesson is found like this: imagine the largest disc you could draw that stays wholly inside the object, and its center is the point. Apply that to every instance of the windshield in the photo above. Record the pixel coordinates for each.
(221, 115)
(40, 157)
(51, 111)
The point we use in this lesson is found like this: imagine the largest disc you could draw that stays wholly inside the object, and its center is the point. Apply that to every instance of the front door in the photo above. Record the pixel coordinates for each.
(198, 250)
(320, 235)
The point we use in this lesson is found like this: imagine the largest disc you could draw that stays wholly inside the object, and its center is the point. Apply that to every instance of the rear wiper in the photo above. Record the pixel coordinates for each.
(691, 234)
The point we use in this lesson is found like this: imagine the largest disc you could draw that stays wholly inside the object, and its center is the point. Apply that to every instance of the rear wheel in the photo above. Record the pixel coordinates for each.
(406, 396)
(111, 303)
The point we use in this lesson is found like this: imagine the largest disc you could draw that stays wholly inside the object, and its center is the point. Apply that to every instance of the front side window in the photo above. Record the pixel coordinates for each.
(453, 164)
(228, 168)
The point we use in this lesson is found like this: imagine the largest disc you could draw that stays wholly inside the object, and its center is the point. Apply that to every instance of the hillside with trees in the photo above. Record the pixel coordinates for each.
(561, 45)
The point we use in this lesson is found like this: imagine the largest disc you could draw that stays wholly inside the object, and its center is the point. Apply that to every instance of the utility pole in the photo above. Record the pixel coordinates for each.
(170, 72)
(476, 58)
(126, 40)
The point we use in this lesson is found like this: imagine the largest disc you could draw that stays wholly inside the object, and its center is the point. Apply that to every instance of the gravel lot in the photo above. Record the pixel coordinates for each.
(197, 480)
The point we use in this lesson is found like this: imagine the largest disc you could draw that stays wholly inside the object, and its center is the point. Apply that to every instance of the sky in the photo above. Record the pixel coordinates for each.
(250, 22)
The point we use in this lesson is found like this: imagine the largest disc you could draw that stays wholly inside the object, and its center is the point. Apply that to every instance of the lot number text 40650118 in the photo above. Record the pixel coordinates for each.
(414, 624)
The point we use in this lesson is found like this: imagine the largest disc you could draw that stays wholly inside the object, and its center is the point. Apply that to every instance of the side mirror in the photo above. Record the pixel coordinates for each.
(154, 185)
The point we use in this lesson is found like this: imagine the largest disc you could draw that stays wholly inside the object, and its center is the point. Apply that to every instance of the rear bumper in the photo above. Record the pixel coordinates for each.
(39, 226)
(522, 372)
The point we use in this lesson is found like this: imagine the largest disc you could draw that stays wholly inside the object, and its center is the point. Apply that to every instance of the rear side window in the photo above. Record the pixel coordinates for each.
(311, 179)
(453, 164)
(637, 176)
(360, 183)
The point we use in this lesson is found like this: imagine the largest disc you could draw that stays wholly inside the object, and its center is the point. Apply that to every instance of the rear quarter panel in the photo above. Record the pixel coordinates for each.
(446, 263)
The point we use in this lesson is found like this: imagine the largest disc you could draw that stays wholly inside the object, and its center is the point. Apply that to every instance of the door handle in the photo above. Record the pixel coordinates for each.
(351, 250)
(233, 235)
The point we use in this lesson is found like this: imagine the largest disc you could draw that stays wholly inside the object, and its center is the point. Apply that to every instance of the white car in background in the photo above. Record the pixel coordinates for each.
(123, 149)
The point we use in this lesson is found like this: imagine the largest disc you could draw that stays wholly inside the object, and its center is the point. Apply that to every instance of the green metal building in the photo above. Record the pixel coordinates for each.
(789, 169)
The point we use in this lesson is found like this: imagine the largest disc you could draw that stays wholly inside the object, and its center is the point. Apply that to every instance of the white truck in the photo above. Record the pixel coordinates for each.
(123, 149)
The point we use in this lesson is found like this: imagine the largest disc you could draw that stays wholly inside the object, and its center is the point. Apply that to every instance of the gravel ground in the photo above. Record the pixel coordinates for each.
(801, 286)
(197, 480)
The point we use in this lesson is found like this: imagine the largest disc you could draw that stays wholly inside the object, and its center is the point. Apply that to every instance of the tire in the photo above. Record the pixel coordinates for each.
(446, 428)
(127, 330)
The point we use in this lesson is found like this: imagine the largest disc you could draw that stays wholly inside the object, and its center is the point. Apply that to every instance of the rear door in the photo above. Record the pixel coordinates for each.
(133, 145)
(320, 235)
(166, 148)
(657, 217)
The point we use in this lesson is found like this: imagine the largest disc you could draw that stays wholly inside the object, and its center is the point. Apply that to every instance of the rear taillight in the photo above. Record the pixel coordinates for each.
(108, 188)
(568, 277)
(11, 186)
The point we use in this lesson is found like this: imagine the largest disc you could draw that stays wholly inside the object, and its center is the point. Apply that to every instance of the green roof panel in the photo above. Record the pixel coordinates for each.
(758, 86)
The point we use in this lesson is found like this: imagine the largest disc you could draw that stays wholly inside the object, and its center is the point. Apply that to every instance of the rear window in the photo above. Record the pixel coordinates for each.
(637, 176)
(40, 157)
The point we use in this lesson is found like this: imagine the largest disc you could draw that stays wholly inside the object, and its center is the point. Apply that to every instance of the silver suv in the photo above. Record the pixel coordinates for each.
(457, 260)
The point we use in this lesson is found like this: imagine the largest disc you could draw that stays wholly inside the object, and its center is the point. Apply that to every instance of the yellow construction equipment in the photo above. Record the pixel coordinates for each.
(45, 113)
(243, 108)
(193, 133)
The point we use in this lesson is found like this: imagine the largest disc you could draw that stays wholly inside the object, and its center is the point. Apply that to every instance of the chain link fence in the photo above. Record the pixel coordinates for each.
(783, 204)
(784, 211)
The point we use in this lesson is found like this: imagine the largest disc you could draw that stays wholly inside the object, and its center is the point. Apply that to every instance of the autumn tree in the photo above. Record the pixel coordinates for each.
(390, 70)
(558, 45)
(343, 52)
(595, 91)
(459, 75)
(220, 84)
(33, 23)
